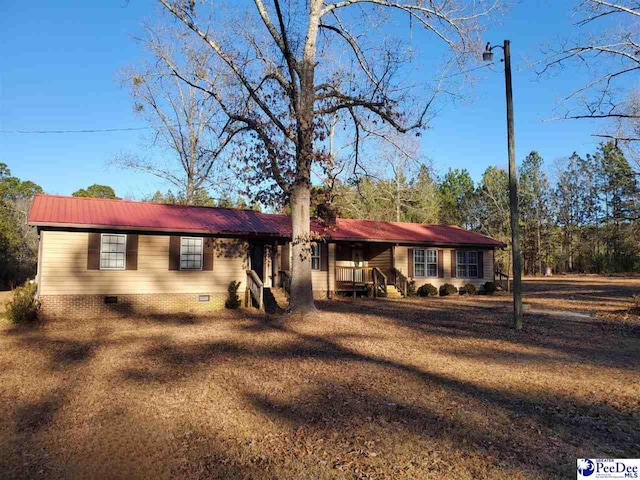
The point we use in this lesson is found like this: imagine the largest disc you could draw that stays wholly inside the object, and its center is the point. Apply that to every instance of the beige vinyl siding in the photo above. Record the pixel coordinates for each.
(63, 268)
(380, 256)
(402, 263)
(319, 279)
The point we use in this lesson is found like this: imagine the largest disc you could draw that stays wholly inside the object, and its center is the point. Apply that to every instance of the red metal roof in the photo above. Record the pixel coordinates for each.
(374, 230)
(79, 212)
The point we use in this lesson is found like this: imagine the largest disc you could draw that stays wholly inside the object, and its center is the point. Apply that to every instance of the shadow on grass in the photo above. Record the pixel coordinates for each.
(605, 429)
(565, 338)
(38, 414)
(537, 434)
(63, 353)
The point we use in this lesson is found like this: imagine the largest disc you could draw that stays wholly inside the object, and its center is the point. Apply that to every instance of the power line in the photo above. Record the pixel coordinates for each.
(96, 130)
(132, 129)
(486, 65)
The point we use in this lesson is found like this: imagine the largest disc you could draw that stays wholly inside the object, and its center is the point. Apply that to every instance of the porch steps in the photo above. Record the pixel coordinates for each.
(392, 292)
(275, 300)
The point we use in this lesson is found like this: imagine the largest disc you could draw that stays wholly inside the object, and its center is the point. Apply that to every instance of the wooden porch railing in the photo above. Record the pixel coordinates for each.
(285, 281)
(255, 288)
(379, 282)
(354, 276)
(502, 279)
(401, 282)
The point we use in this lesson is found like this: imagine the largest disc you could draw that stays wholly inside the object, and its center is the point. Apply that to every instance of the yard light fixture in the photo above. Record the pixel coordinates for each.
(487, 56)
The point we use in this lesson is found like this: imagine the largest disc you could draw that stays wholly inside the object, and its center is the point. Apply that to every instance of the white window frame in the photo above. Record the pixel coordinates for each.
(466, 264)
(201, 253)
(124, 264)
(425, 262)
(316, 255)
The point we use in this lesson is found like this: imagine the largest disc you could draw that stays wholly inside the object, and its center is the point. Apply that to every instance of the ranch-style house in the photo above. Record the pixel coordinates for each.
(102, 257)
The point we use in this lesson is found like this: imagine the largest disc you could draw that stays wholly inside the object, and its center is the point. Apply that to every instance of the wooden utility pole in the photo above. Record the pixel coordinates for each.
(513, 194)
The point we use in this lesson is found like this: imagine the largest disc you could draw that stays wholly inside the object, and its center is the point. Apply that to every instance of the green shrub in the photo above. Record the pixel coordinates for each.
(426, 290)
(233, 300)
(24, 306)
(411, 289)
(447, 289)
(470, 289)
(490, 288)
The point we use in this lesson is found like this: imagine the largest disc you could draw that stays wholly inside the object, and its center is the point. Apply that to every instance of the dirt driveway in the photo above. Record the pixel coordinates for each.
(422, 388)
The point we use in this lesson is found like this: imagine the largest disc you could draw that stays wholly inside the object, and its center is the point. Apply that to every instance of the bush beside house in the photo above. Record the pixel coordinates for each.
(448, 289)
(470, 289)
(233, 300)
(23, 307)
(490, 288)
(427, 290)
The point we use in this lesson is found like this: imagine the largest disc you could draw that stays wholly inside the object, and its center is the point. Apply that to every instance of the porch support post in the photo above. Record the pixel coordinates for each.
(375, 284)
(331, 270)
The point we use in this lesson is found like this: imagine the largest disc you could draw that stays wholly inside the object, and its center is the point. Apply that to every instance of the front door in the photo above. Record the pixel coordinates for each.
(256, 256)
(357, 257)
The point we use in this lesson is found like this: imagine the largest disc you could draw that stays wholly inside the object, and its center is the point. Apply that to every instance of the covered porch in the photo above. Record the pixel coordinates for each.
(360, 267)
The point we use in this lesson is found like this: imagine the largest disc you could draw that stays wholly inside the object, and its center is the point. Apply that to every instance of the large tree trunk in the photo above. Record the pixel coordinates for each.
(189, 191)
(301, 300)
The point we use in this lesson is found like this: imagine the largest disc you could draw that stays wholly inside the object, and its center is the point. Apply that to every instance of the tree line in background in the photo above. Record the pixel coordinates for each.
(584, 221)
(18, 242)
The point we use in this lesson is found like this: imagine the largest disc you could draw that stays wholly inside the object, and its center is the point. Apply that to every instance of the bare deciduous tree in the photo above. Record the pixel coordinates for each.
(290, 67)
(608, 47)
(396, 185)
(186, 121)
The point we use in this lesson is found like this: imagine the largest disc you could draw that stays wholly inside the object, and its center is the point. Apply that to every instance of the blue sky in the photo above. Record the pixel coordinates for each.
(60, 63)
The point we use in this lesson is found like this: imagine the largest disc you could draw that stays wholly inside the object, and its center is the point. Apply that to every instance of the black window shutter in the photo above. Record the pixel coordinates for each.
(174, 252)
(284, 259)
(410, 266)
(324, 256)
(93, 251)
(132, 252)
(453, 264)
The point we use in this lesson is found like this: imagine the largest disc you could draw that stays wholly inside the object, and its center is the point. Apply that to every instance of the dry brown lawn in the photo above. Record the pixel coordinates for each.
(420, 388)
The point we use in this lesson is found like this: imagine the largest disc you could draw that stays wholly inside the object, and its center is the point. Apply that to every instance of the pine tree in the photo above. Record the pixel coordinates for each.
(534, 196)
(456, 190)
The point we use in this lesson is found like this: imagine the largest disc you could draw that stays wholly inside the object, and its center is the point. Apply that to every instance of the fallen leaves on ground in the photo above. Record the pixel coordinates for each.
(417, 388)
